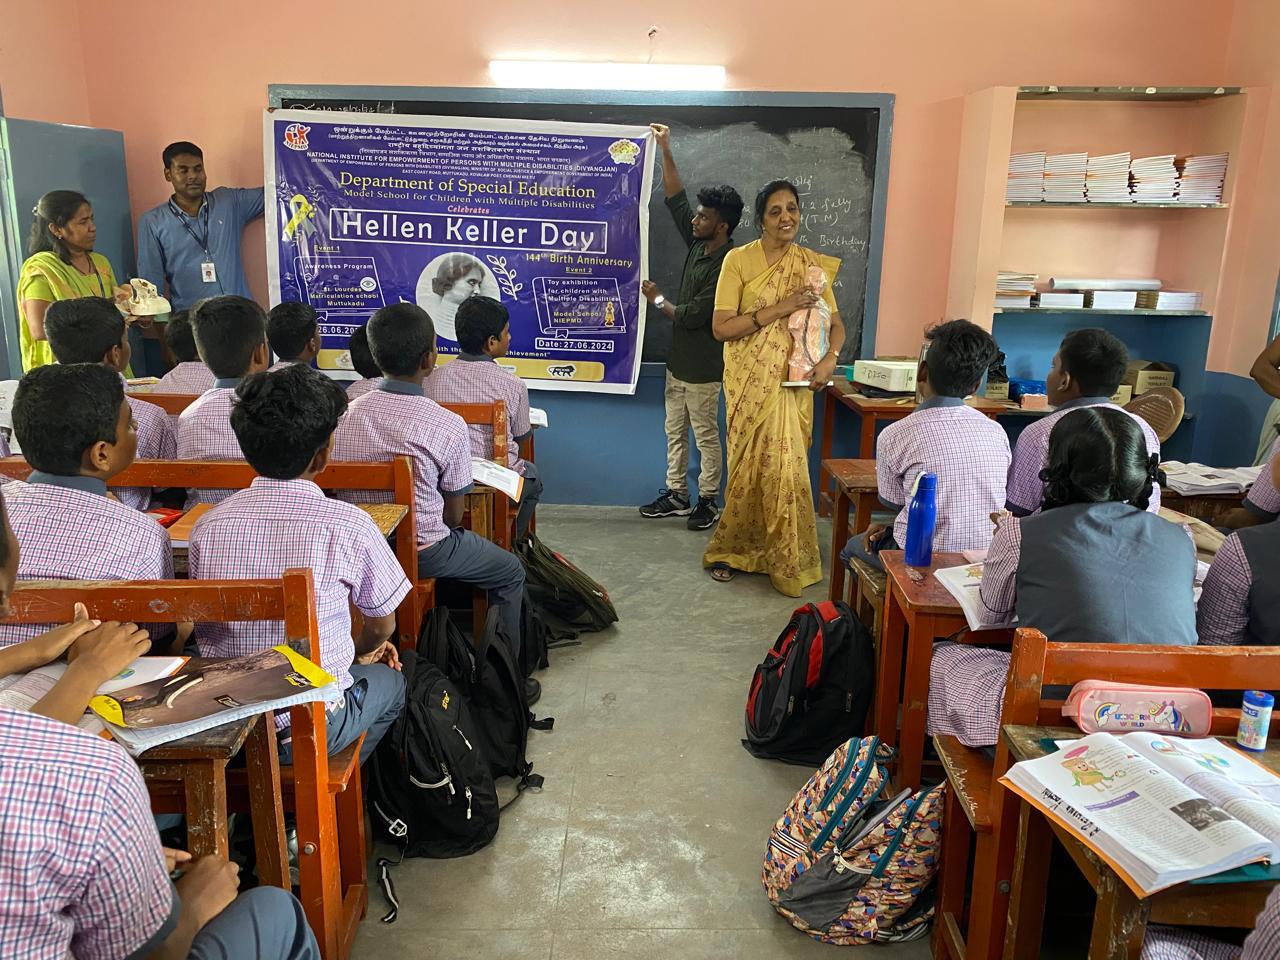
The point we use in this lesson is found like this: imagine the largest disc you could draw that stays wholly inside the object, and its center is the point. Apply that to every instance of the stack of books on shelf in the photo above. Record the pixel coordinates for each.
(1014, 290)
(1170, 299)
(1155, 179)
(1064, 175)
(1026, 177)
(1200, 178)
(1111, 299)
(1059, 299)
(1107, 178)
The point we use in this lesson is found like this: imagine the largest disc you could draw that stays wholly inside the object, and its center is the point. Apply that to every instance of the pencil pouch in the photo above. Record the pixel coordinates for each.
(1106, 705)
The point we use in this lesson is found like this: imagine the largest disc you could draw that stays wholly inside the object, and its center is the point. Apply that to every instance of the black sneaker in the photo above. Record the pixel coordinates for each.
(704, 515)
(532, 691)
(670, 503)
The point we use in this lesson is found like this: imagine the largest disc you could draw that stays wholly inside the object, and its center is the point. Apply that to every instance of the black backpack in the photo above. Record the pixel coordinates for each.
(561, 590)
(538, 637)
(814, 688)
(493, 685)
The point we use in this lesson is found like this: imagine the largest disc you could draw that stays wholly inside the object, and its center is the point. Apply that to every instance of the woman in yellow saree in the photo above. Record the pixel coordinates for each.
(768, 524)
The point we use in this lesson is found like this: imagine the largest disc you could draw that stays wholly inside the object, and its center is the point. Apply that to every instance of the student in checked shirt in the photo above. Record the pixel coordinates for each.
(366, 366)
(1086, 372)
(968, 452)
(483, 326)
(1094, 566)
(397, 420)
(294, 334)
(1179, 943)
(77, 433)
(189, 375)
(231, 334)
(285, 422)
(92, 330)
(1262, 504)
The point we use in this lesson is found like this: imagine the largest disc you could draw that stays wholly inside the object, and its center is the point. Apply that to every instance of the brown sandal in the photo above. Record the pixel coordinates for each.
(722, 572)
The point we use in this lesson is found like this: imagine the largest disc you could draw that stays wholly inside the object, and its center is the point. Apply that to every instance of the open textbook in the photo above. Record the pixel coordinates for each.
(1159, 810)
(965, 584)
(22, 691)
(1191, 479)
(497, 476)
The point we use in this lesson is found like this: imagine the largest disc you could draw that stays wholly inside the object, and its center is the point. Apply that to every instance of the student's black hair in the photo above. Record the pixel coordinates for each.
(290, 327)
(180, 337)
(284, 418)
(479, 318)
(725, 201)
(1096, 360)
(362, 356)
(83, 330)
(178, 149)
(227, 330)
(400, 336)
(769, 189)
(958, 355)
(1097, 455)
(61, 410)
(55, 208)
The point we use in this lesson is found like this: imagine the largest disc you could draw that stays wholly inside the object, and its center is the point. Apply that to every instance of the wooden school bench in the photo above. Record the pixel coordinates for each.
(855, 488)
(330, 822)
(1011, 852)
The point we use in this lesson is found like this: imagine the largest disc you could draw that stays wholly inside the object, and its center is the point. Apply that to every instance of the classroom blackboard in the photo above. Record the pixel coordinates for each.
(834, 147)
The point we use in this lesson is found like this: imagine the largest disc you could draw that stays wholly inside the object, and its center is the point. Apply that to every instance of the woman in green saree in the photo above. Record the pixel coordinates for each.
(768, 525)
(61, 266)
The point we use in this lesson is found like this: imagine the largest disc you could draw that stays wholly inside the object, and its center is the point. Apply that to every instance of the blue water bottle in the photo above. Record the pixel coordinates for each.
(922, 515)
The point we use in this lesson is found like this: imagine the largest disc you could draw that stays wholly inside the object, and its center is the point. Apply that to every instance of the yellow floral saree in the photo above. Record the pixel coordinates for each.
(46, 277)
(768, 524)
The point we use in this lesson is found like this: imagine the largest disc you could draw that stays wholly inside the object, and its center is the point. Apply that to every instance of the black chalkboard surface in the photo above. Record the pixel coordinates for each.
(829, 152)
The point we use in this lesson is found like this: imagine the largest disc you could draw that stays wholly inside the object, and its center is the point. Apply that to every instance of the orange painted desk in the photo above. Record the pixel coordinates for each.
(855, 487)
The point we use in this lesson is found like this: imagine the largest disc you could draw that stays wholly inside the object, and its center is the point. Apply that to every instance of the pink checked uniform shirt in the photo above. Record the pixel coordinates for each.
(80, 862)
(1263, 497)
(156, 441)
(1179, 943)
(1223, 612)
(970, 455)
(190, 377)
(204, 433)
(359, 388)
(70, 530)
(473, 379)
(396, 420)
(278, 524)
(1026, 489)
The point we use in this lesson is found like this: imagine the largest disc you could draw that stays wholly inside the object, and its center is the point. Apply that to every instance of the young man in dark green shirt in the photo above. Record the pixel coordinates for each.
(695, 365)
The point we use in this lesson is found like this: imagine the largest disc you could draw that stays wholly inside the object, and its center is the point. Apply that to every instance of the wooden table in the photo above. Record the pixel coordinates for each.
(189, 776)
(856, 487)
(1120, 918)
(870, 412)
(1207, 507)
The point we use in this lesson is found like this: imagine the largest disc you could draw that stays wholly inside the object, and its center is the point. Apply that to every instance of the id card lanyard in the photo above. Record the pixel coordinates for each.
(208, 271)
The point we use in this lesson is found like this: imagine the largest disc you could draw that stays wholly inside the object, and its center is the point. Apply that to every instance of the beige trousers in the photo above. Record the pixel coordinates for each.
(693, 405)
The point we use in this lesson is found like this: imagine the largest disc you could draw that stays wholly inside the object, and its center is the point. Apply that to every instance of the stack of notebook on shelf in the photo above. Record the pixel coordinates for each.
(1064, 175)
(1014, 290)
(1050, 299)
(1107, 179)
(1111, 299)
(1155, 179)
(1026, 177)
(1170, 299)
(1200, 179)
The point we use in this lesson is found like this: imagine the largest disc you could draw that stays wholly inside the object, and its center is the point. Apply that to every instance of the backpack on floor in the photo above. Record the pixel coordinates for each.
(814, 688)
(493, 686)
(560, 589)
(847, 863)
(538, 637)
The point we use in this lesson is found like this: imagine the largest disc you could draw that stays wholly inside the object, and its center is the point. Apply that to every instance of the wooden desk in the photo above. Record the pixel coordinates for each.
(1207, 507)
(915, 612)
(870, 412)
(1120, 918)
(856, 487)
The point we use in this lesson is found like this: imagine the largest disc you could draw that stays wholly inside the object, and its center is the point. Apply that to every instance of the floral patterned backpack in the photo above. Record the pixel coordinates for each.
(848, 863)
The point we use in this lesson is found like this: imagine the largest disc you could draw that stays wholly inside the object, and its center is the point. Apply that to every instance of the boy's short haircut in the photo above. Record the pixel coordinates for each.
(83, 330)
(958, 355)
(290, 327)
(477, 319)
(180, 337)
(400, 336)
(227, 330)
(362, 356)
(285, 417)
(181, 148)
(61, 410)
(726, 202)
(1096, 360)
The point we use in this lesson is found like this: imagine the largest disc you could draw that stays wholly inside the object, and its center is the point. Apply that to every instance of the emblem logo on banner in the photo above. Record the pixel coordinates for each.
(295, 136)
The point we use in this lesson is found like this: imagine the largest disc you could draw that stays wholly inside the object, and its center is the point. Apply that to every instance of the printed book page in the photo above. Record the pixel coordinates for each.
(498, 477)
(22, 691)
(965, 584)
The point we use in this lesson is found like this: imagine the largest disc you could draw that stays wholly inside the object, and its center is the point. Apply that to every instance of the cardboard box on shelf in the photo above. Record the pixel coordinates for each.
(1142, 375)
(896, 376)
(1122, 395)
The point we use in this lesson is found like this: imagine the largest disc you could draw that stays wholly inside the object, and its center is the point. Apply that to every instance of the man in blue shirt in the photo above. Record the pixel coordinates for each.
(190, 244)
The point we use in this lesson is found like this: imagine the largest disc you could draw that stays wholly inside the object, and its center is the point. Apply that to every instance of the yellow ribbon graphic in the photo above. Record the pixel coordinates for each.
(302, 212)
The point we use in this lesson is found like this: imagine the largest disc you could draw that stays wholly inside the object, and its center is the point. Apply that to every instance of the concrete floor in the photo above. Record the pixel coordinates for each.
(647, 840)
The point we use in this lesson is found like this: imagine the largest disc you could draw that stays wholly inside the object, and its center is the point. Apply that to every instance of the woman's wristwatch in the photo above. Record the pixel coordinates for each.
(659, 300)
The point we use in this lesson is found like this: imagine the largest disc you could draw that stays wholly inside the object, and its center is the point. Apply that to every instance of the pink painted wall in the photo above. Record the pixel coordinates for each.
(42, 61)
(928, 53)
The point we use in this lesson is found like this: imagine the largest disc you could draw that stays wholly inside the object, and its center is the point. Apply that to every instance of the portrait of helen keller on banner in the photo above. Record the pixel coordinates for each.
(448, 280)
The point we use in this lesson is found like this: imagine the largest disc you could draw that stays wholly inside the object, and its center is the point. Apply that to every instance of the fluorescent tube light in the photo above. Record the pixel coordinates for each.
(582, 75)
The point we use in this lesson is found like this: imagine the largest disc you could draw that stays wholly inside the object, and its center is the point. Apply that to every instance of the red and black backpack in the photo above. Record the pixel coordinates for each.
(814, 688)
